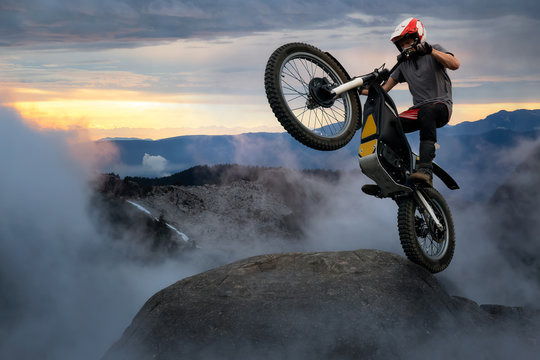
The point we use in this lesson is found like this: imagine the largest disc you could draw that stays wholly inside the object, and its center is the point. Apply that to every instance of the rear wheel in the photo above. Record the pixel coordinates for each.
(422, 241)
(294, 76)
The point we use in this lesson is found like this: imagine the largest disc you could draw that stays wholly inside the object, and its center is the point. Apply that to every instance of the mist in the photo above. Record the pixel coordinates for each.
(63, 293)
(480, 269)
(66, 292)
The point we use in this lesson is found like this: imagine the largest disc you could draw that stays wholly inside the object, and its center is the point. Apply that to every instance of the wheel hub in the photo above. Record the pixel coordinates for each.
(320, 91)
(437, 235)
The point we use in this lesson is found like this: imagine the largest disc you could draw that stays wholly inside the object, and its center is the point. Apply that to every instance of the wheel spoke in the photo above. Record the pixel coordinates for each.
(335, 116)
(296, 97)
(300, 107)
(296, 74)
(291, 87)
(309, 73)
(300, 78)
(318, 120)
(303, 112)
(329, 122)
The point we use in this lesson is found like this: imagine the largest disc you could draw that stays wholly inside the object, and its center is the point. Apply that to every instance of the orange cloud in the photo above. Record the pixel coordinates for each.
(126, 113)
(102, 110)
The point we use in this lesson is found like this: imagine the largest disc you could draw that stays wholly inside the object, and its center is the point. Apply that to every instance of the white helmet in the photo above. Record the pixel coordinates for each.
(409, 27)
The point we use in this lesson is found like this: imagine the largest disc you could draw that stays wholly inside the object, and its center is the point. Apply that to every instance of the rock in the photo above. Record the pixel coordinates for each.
(334, 305)
(135, 234)
(260, 214)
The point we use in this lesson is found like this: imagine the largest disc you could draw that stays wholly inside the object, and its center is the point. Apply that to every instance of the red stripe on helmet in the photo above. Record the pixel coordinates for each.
(411, 28)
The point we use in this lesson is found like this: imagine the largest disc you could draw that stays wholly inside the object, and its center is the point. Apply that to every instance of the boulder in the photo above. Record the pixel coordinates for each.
(330, 305)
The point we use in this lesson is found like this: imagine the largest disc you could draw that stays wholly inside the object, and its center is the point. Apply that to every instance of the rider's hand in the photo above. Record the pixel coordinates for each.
(423, 49)
(405, 55)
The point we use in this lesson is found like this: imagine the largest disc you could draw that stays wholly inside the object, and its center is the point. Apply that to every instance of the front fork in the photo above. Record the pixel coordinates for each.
(426, 208)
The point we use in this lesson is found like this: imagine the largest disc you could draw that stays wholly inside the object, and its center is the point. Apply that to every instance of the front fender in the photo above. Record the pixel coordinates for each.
(445, 177)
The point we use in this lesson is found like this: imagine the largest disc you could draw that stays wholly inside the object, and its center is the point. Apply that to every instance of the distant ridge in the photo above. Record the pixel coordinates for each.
(122, 139)
(222, 174)
(518, 121)
(464, 150)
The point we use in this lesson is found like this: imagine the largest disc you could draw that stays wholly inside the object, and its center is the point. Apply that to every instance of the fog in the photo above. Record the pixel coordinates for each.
(62, 294)
(480, 269)
(66, 293)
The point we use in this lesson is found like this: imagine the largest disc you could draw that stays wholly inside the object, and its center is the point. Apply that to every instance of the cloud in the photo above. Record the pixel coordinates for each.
(155, 163)
(34, 21)
(43, 227)
(166, 54)
(62, 295)
(66, 297)
(347, 219)
(480, 269)
(364, 18)
(178, 9)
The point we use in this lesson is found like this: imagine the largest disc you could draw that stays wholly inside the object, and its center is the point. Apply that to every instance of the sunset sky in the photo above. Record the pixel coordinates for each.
(162, 68)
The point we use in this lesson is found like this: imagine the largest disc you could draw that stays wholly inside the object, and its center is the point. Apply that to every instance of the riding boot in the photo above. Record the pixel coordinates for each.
(425, 164)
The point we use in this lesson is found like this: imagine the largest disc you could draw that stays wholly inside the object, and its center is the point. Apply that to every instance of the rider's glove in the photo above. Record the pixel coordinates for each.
(406, 55)
(423, 49)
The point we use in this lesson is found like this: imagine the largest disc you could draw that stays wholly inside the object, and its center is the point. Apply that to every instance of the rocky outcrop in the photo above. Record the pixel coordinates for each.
(135, 234)
(271, 209)
(362, 304)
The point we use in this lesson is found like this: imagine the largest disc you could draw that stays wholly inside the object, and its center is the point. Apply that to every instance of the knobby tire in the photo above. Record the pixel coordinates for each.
(347, 106)
(413, 244)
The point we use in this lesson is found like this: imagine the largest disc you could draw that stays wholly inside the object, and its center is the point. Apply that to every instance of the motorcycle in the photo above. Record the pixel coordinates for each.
(317, 102)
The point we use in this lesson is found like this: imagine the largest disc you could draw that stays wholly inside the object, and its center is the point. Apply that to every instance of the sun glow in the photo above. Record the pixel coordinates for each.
(130, 113)
(159, 119)
(64, 114)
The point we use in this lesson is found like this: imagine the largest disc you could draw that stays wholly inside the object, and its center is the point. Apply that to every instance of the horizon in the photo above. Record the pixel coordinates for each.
(169, 68)
(281, 131)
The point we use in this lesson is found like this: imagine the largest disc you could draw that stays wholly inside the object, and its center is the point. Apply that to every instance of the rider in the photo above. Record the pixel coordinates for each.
(431, 89)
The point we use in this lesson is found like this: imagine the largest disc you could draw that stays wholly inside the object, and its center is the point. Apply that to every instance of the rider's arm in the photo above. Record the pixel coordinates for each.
(447, 60)
(387, 85)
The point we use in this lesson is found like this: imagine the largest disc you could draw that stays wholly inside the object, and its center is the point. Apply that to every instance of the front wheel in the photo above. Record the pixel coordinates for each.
(422, 242)
(293, 77)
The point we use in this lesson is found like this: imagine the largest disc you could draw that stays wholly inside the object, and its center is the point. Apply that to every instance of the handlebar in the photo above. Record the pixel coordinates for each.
(381, 74)
(378, 74)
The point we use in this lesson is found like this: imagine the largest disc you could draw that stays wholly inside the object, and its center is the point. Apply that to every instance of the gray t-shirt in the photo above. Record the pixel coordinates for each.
(429, 82)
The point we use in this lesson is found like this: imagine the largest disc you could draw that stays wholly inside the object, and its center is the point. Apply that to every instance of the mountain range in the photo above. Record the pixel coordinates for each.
(517, 121)
(477, 154)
